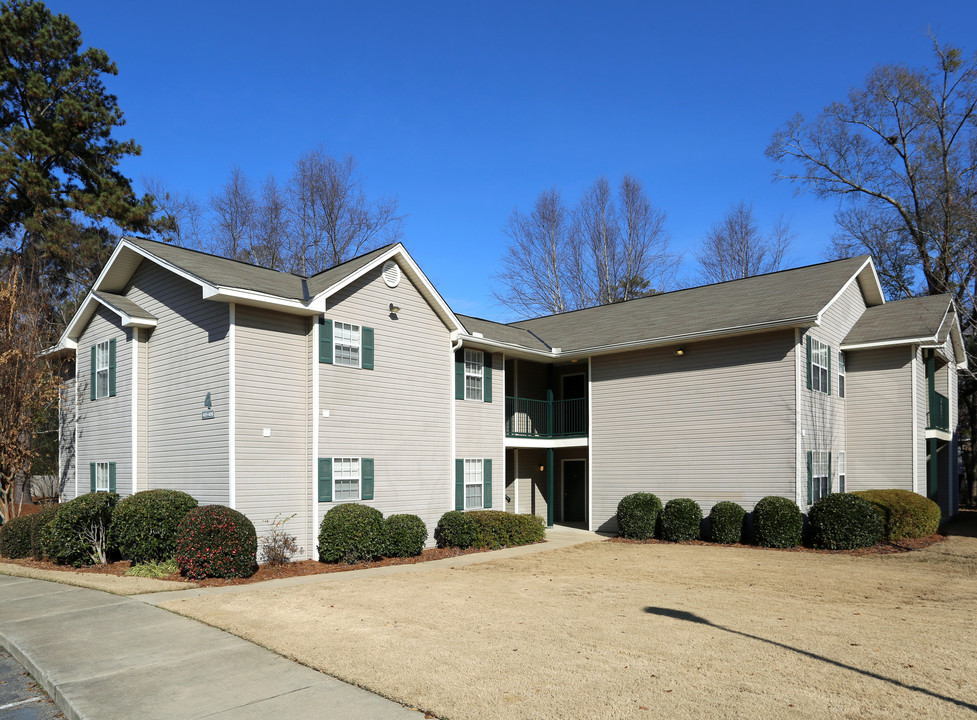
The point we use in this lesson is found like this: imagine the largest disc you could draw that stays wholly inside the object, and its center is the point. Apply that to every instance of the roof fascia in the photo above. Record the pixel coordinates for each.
(929, 341)
(176, 269)
(854, 278)
(252, 297)
(398, 250)
(84, 314)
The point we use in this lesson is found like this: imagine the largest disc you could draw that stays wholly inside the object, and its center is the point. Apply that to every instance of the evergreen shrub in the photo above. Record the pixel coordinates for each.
(351, 533)
(777, 522)
(144, 525)
(637, 515)
(78, 534)
(904, 514)
(456, 529)
(726, 522)
(681, 520)
(216, 541)
(844, 521)
(405, 535)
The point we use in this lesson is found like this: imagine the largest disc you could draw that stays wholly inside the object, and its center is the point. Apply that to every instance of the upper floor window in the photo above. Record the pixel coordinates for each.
(841, 374)
(474, 365)
(346, 344)
(820, 366)
(102, 377)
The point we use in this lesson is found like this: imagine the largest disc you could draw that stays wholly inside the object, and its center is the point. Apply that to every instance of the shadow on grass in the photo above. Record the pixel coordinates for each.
(693, 618)
(963, 524)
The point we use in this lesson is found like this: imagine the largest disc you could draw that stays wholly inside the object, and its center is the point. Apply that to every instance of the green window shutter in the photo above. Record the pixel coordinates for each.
(810, 477)
(459, 484)
(91, 469)
(111, 477)
(829, 370)
(325, 341)
(809, 362)
(92, 380)
(830, 484)
(325, 479)
(487, 483)
(366, 478)
(112, 367)
(487, 378)
(460, 374)
(367, 336)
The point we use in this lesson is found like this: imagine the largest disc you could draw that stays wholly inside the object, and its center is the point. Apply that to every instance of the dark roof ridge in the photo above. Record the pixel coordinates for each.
(214, 255)
(515, 323)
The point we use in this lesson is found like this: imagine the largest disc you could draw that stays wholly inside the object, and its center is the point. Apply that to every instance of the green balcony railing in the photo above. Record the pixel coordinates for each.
(938, 413)
(528, 418)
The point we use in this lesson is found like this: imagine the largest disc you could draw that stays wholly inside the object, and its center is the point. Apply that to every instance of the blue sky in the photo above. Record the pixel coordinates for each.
(465, 111)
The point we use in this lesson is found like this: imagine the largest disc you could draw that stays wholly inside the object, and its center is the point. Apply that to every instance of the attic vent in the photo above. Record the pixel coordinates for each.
(391, 273)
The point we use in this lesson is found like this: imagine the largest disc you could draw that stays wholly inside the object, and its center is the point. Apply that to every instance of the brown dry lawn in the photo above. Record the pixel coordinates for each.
(611, 630)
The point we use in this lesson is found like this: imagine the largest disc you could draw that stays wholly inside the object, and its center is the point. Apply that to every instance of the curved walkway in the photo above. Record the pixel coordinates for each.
(107, 657)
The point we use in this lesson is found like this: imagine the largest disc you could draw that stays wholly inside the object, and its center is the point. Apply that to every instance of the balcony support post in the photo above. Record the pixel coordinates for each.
(550, 494)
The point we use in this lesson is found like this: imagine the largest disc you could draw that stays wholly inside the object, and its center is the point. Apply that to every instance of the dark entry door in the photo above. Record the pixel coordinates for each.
(574, 491)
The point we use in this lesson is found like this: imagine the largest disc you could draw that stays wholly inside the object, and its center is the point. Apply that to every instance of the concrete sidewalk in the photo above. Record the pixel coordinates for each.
(104, 657)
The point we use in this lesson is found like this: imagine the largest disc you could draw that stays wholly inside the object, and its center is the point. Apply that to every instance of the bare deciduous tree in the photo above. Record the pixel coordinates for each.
(28, 385)
(235, 210)
(601, 252)
(735, 248)
(179, 216)
(901, 155)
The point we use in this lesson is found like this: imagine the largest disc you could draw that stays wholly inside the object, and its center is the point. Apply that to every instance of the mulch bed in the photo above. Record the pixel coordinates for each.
(885, 548)
(297, 568)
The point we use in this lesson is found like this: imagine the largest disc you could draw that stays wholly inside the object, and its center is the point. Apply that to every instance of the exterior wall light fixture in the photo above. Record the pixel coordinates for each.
(394, 309)
(680, 351)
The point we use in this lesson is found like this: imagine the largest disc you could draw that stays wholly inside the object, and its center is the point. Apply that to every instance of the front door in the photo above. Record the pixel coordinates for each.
(574, 490)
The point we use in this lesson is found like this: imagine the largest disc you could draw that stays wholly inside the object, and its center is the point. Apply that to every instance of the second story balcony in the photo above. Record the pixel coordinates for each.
(938, 412)
(526, 418)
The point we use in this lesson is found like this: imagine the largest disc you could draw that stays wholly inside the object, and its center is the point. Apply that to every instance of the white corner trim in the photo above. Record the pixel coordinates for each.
(231, 425)
(915, 426)
(134, 391)
(798, 419)
(316, 420)
(452, 447)
(76, 414)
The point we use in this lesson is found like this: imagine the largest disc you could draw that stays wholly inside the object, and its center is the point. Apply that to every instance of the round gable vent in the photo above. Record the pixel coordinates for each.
(391, 273)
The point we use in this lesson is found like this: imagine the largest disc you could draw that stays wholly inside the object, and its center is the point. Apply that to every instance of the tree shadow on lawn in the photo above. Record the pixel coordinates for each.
(692, 617)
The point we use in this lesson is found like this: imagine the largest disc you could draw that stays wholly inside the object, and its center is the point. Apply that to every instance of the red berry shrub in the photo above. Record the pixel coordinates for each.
(215, 541)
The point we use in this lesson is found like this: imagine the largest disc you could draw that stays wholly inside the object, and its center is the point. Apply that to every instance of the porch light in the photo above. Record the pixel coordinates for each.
(394, 309)
(542, 467)
(680, 352)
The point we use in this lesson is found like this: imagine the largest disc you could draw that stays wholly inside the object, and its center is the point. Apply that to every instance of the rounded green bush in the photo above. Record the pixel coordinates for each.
(844, 521)
(68, 538)
(216, 541)
(351, 533)
(681, 520)
(144, 525)
(726, 522)
(406, 535)
(637, 515)
(777, 522)
(498, 529)
(456, 529)
(15, 537)
(40, 520)
(904, 514)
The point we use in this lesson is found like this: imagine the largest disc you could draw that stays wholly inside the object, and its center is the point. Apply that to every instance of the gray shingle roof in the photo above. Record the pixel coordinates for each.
(503, 333)
(776, 298)
(321, 281)
(125, 305)
(919, 317)
(227, 273)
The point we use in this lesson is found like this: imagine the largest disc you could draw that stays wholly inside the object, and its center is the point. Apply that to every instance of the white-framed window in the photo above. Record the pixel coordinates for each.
(102, 477)
(345, 479)
(346, 344)
(841, 374)
(474, 485)
(820, 357)
(474, 364)
(820, 479)
(841, 471)
(102, 373)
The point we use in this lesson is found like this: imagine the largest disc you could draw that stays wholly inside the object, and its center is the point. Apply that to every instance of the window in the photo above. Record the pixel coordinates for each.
(820, 469)
(102, 370)
(474, 365)
(841, 375)
(820, 366)
(346, 479)
(841, 471)
(346, 344)
(473, 484)
(102, 476)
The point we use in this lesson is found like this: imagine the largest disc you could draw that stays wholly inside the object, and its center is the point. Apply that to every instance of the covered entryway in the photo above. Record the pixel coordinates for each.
(574, 486)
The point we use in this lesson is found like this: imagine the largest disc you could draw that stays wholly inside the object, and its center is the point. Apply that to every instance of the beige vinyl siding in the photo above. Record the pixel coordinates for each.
(880, 419)
(717, 423)
(187, 357)
(824, 420)
(105, 425)
(399, 412)
(66, 435)
(480, 429)
(922, 415)
(142, 412)
(272, 373)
